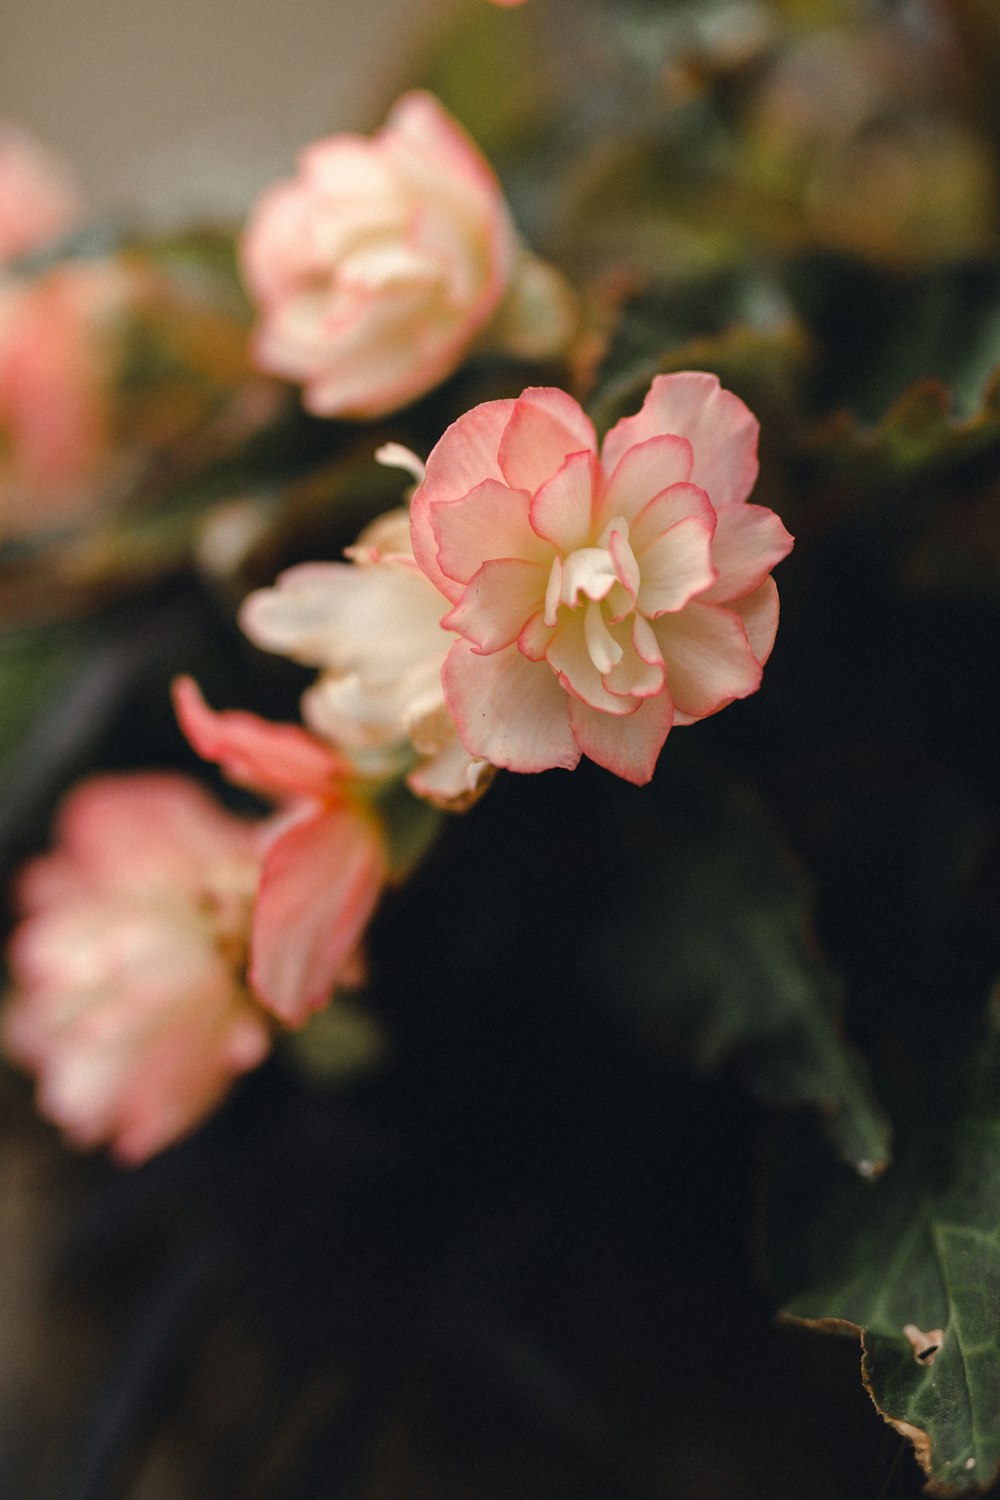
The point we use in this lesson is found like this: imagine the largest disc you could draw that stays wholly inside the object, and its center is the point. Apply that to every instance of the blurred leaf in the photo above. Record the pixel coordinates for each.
(913, 1266)
(720, 956)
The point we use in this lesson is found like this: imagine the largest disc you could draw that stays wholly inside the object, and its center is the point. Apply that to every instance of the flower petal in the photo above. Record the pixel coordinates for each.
(627, 746)
(708, 658)
(569, 656)
(676, 567)
(643, 471)
(319, 885)
(508, 710)
(463, 457)
(721, 430)
(664, 510)
(749, 541)
(490, 522)
(759, 613)
(499, 600)
(545, 427)
(451, 779)
(280, 760)
(561, 511)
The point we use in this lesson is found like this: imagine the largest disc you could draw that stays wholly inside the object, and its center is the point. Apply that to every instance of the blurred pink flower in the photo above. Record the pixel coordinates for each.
(129, 1000)
(38, 198)
(58, 341)
(324, 861)
(373, 626)
(377, 267)
(600, 598)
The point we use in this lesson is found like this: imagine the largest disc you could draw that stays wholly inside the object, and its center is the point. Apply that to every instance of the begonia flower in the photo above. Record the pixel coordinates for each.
(38, 198)
(600, 596)
(377, 267)
(129, 995)
(373, 626)
(324, 865)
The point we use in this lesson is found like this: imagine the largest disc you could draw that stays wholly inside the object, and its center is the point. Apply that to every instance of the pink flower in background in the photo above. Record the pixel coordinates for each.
(373, 626)
(58, 347)
(38, 198)
(324, 861)
(376, 267)
(129, 1000)
(600, 597)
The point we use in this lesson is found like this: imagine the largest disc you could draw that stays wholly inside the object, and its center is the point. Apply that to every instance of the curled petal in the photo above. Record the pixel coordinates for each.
(508, 710)
(708, 658)
(545, 427)
(677, 503)
(499, 600)
(759, 613)
(722, 432)
(490, 522)
(570, 657)
(627, 746)
(320, 883)
(561, 511)
(463, 458)
(676, 567)
(749, 541)
(643, 471)
(280, 760)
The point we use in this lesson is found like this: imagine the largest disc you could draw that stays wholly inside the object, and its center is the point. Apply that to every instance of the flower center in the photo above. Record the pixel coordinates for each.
(604, 581)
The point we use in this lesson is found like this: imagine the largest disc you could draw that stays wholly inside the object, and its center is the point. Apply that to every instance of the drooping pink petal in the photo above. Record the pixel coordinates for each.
(708, 658)
(280, 760)
(749, 541)
(643, 471)
(502, 596)
(759, 613)
(545, 426)
(675, 568)
(561, 511)
(722, 432)
(508, 710)
(490, 522)
(319, 885)
(629, 746)
(463, 458)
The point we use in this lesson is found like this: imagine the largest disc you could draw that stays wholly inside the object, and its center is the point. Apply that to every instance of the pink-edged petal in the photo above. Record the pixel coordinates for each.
(639, 673)
(676, 567)
(545, 427)
(463, 457)
(533, 641)
(629, 747)
(625, 565)
(708, 658)
(280, 760)
(561, 512)
(451, 779)
(759, 613)
(722, 432)
(508, 710)
(502, 596)
(570, 658)
(424, 137)
(642, 472)
(319, 885)
(749, 541)
(490, 522)
(675, 504)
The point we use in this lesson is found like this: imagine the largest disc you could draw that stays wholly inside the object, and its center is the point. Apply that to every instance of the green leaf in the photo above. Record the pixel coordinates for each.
(717, 933)
(913, 1266)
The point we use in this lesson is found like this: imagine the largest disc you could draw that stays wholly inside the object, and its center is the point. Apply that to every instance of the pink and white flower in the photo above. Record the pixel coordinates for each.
(372, 625)
(38, 199)
(376, 268)
(324, 862)
(129, 996)
(600, 597)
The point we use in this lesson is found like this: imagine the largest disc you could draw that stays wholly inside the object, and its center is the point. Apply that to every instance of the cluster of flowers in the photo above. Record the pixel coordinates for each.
(544, 596)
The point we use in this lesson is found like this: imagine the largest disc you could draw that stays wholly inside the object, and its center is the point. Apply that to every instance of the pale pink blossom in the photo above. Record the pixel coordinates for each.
(324, 863)
(382, 261)
(373, 627)
(129, 998)
(38, 199)
(600, 596)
